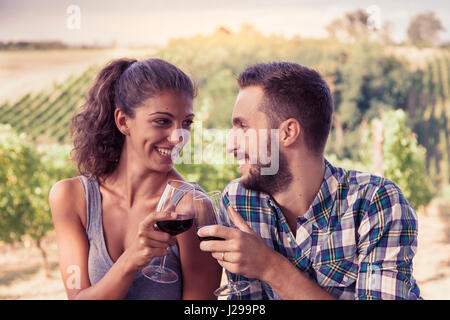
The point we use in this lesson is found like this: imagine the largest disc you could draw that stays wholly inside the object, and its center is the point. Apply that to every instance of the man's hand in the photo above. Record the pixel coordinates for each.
(243, 251)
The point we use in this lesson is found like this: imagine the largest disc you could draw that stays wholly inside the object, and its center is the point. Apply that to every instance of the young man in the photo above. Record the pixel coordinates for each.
(311, 230)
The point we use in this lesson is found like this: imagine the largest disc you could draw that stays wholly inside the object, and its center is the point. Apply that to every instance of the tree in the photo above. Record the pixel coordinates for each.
(352, 26)
(220, 92)
(26, 176)
(424, 28)
(18, 183)
(403, 158)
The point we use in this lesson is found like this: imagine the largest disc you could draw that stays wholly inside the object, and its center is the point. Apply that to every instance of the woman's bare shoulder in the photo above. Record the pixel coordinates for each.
(67, 199)
(66, 189)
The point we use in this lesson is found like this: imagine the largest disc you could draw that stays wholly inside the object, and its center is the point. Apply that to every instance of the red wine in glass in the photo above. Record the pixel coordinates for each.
(174, 227)
(210, 238)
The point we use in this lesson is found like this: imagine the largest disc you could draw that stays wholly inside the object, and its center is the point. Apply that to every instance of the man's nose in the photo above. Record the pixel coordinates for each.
(232, 143)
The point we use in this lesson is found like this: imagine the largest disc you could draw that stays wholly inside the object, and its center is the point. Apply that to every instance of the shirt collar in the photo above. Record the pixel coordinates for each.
(320, 211)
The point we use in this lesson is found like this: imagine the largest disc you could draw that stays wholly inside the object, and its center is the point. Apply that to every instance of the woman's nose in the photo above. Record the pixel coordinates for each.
(179, 137)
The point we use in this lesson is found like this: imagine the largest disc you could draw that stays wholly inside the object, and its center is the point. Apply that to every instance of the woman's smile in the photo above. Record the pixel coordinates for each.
(164, 153)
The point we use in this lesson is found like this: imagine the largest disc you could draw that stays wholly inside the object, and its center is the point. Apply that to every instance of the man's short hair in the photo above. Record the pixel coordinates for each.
(294, 91)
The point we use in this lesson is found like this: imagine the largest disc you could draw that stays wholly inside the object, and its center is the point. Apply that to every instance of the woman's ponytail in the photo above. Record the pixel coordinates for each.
(97, 141)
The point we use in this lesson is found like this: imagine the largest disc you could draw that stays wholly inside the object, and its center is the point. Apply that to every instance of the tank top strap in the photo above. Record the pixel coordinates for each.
(93, 205)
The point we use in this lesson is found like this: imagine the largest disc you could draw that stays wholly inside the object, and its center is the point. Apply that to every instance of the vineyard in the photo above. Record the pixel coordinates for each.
(421, 89)
(47, 114)
(429, 109)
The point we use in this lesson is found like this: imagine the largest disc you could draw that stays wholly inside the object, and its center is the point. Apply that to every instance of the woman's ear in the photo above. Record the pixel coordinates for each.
(290, 130)
(121, 122)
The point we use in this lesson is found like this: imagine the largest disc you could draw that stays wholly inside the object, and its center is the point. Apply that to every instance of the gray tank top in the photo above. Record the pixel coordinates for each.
(99, 260)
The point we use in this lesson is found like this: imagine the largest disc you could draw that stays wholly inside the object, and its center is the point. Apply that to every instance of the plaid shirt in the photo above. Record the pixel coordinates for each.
(357, 240)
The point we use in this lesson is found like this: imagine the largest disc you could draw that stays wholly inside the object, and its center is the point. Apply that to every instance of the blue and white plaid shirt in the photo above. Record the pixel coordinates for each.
(356, 241)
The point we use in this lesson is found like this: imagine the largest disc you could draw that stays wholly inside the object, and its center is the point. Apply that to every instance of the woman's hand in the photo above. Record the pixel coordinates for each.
(149, 241)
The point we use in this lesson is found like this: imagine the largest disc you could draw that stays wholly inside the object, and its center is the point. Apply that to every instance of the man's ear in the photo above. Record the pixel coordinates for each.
(121, 122)
(290, 130)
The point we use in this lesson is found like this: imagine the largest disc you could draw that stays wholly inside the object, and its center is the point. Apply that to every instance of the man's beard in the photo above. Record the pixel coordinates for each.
(269, 184)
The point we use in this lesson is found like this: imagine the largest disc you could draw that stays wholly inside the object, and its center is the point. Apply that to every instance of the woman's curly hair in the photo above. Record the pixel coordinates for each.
(125, 84)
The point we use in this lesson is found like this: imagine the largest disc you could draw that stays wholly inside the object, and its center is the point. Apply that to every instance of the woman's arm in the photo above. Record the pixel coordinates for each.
(73, 248)
(67, 202)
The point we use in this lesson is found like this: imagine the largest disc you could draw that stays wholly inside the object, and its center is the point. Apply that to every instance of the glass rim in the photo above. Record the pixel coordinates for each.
(200, 195)
(169, 182)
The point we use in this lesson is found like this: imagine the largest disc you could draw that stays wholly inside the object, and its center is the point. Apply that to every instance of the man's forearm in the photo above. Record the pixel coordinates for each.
(291, 284)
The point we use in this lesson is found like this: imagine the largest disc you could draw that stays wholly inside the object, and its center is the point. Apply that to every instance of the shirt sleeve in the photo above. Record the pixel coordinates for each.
(387, 244)
(224, 218)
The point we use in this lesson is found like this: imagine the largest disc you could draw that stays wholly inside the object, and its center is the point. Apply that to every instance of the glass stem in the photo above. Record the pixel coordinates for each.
(230, 282)
(161, 265)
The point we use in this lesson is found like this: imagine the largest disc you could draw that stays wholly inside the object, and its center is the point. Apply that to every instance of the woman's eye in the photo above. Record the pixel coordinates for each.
(162, 121)
(188, 123)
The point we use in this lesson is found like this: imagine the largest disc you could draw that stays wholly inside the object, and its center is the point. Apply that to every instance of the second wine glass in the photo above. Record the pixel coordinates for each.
(207, 212)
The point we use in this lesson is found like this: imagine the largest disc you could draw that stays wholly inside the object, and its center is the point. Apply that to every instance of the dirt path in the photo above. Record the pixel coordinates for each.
(21, 274)
(22, 72)
(432, 261)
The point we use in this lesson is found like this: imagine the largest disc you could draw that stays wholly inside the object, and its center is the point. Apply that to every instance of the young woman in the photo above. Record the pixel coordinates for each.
(104, 218)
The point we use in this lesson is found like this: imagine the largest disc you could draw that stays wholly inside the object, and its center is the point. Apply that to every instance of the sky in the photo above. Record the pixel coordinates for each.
(154, 22)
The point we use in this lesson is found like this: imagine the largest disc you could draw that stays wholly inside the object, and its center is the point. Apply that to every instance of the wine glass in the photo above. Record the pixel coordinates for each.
(180, 194)
(207, 212)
